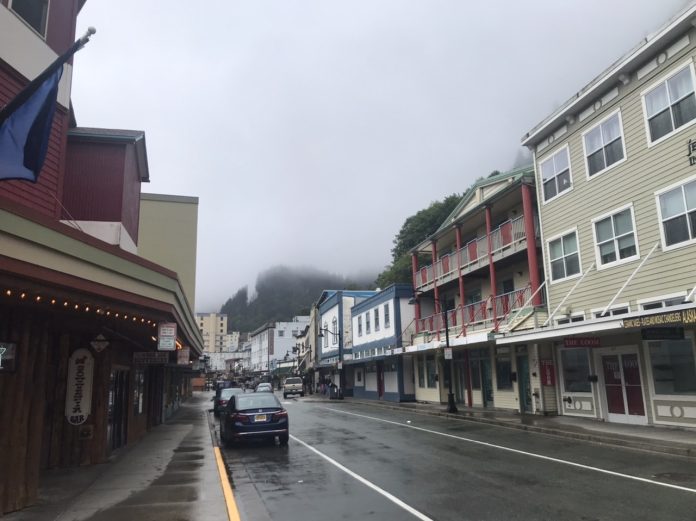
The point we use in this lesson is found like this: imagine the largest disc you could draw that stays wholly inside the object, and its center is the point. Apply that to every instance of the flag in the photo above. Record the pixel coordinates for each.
(25, 122)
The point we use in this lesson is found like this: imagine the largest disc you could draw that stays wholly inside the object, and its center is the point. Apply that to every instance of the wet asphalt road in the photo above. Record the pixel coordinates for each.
(436, 468)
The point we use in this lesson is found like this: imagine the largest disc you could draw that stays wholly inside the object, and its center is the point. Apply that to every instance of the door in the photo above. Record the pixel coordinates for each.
(487, 382)
(523, 384)
(622, 388)
(117, 426)
(380, 379)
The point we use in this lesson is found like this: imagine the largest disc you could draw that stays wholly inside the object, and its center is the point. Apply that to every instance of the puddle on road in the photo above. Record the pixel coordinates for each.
(189, 448)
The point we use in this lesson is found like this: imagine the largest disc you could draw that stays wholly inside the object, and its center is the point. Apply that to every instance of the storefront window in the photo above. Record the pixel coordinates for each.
(673, 368)
(503, 368)
(576, 371)
(431, 370)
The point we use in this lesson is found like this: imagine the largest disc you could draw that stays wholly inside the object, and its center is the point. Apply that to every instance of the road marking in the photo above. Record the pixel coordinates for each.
(232, 512)
(364, 481)
(518, 451)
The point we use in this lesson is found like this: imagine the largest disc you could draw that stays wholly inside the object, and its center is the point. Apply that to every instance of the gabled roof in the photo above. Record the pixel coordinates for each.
(611, 76)
(461, 212)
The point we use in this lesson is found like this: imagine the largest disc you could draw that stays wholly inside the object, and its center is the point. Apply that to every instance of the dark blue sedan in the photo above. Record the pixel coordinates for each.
(254, 416)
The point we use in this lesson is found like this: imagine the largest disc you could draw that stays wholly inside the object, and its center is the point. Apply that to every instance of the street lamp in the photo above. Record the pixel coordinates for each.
(451, 405)
(340, 355)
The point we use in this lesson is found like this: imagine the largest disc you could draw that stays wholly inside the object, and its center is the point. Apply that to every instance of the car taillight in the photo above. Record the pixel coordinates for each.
(241, 418)
(223, 402)
(280, 414)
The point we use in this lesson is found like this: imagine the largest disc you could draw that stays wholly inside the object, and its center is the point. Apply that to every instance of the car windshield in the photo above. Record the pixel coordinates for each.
(293, 381)
(256, 401)
(231, 391)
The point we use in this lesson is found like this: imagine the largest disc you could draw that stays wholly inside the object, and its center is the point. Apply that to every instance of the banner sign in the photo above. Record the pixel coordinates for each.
(182, 356)
(671, 318)
(78, 397)
(148, 358)
(589, 341)
(548, 373)
(166, 336)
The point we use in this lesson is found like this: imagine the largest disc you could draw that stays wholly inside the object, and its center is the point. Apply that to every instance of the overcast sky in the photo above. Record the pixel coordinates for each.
(310, 129)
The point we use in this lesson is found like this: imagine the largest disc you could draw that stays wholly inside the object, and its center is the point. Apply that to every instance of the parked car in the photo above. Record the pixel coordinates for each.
(264, 387)
(223, 396)
(254, 416)
(293, 385)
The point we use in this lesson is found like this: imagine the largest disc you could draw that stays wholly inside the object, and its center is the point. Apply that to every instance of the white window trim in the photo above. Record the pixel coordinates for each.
(541, 175)
(609, 315)
(37, 33)
(548, 249)
(574, 314)
(617, 262)
(623, 145)
(651, 382)
(580, 394)
(658, 298)
(689, 63)
(663, 242)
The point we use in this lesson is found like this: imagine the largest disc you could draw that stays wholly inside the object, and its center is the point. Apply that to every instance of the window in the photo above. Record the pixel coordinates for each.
(281, 332)
(615, 238)
(138, 391)
(604, 145)
(576, 371)
(367, 323)
(334, 331)
(33, 12)
(421, 371)
(618, 310)
(555, 174)
(431, 370)
(360, 325)
(673, 367)
(663, 303)
(671, 104)
(326, 334)
(377, 319)
(503, 368)
(387, 318)
(678, 214)
(565, 260)
(579, 317)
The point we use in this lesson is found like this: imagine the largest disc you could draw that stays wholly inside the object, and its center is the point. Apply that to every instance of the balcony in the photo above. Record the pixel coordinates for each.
(485, 314)
(507, 239)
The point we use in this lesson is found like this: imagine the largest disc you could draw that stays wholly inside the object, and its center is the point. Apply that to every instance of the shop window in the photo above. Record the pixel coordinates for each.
(673, 367)
(431, 370)
(576, 371)
(503, 369)
(421, 371)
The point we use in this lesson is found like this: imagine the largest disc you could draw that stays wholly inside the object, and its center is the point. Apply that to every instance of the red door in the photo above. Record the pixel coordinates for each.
(623, 386)
(506, 233)
(471, 249)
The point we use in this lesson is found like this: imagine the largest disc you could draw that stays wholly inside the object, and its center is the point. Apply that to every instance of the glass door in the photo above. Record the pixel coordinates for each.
(623, 389)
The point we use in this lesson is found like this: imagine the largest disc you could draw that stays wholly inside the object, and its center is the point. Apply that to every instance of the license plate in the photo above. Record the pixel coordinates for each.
(260, 418)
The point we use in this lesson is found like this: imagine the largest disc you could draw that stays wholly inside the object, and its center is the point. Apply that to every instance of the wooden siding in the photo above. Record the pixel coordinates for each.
(130, 209)
(646, 170)
(42, 196)
(94, 181)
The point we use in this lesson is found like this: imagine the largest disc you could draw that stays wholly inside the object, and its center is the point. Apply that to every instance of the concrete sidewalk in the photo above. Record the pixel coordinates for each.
(170, 474)
(654, 438)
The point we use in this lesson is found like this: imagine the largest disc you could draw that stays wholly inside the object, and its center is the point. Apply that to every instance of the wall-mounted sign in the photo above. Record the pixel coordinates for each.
(8, 357)
(548, 373)
(582, 341)
(398, 350)
(671, 318)
(99, 343)
(148, 358)
(166, 336)
(448, 353)
(78, 397)
(182, 356)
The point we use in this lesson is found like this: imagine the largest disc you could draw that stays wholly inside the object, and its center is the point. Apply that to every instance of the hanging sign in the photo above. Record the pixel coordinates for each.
(78, 398)
(99, 343)
(182, 356)
(166, 336)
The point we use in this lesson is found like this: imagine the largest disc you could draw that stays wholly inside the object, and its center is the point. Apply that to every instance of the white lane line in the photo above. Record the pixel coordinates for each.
(517, 451)
(364, 481)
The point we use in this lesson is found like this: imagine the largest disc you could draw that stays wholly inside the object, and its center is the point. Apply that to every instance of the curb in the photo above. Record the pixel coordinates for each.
(615, 441)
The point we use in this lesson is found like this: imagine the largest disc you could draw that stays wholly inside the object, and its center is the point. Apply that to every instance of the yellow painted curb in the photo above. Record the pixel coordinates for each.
(232, 512)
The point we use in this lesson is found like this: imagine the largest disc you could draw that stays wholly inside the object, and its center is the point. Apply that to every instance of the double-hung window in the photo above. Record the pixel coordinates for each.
(360, 325)
(555, 174)
(334, 331)
(564, 256)
(671, 104)
(604, 145)
(387, 319)
(678, 214)
(367, 323)
(376, 319)
(615, 238)
(33, 12)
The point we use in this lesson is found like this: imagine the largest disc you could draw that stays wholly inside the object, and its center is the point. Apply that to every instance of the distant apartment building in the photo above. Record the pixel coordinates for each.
(216, 338)
(273, 342)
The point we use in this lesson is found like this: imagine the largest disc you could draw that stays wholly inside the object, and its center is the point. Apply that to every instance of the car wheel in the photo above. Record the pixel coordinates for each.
(302, 395)
(283, 439)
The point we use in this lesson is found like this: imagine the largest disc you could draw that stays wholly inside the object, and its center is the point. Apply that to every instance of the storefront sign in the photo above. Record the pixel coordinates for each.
(147, 358)
(548, 373)
(582, 341)
(8, 357)
(672, 318)
(662, 333)
(448, 353)
(397, 350)
(78, 397)
(182, 356)
(166, 336)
